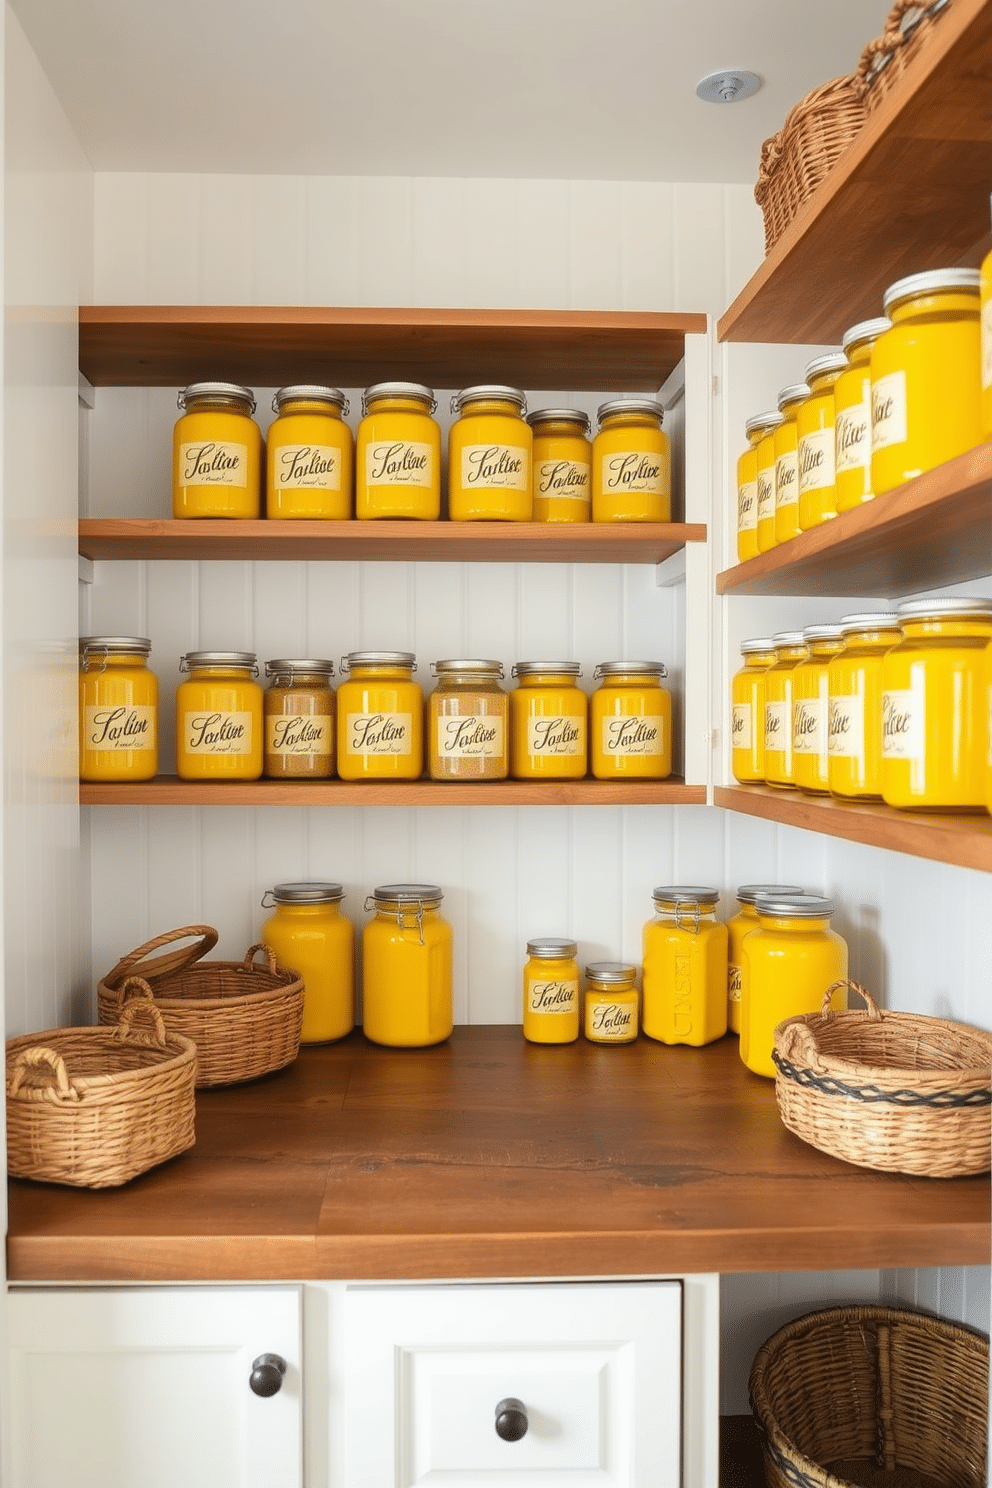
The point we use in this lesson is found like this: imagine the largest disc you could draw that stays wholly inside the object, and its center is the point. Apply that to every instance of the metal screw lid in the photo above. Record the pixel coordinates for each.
(795, 907)
(788, 638)
(245, 660)
(310, 392)
(757, 643)
(833, 361)
(475, 665)
(316, 892)
(284, 664)
(114, 645)
(763, 421)
(685, 894)
(822, 632)
(633, 668)
(531, 668)
(486, 391)
(883, 620)
(217, 390)
(933, 281)
(749, 893)
(407, 896)
(379, 658)
(398, 390)
(611, 971)
(864, 330)
(631, 405)
(954, 608)
(559, 415)
(548, 948)
(793, 393)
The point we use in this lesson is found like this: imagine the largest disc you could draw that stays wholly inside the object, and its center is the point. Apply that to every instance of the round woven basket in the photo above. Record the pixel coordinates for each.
(897, 1092)
(815, 134)
(877, 1397)
(884, 60)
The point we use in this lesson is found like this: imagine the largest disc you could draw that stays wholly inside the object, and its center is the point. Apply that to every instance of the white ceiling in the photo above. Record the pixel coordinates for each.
(571, 89)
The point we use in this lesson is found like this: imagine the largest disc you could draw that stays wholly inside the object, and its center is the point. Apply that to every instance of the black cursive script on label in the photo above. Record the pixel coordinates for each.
(632, 470)
(555, 736)
(301, 735)
(213, 459)
(492, 463)
(214, 731)
(306, 463)
(118, 728)
(391, 462)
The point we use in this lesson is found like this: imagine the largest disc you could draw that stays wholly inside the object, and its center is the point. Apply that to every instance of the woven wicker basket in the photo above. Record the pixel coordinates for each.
(815, 134)
(885, 59)
(897, 1092)
(93, 1107)
(872, 1396)
(245, 1019)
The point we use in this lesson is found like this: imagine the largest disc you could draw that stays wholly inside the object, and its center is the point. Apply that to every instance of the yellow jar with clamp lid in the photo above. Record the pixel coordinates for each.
(765, 531)
(685, 967)
(548, 722)
(787, 964)
(816, 427)
(852, 415)
(988, 718)
(407, 967)
(300, 722)
(786, 440)
(811, 709)
(611, 1004)
(309, 933)
(747, 490)
(739, 925)
(219, 727)
(490, 450)
(790, 650)
(934, 710)
(562, 465)
(551, 992)
(926, 376)
(631, 463)
(309, 454)
(398, 454)
(118, 709)
(216, 453)
(747, 722)
(630, 718)
(380, 717)
(854, 686)
(468, 722)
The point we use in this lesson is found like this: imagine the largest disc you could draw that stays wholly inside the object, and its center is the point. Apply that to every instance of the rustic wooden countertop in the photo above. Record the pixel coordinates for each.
(488, 1156)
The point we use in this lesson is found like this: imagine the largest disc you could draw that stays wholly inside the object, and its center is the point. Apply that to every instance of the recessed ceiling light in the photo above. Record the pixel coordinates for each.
(728, 86)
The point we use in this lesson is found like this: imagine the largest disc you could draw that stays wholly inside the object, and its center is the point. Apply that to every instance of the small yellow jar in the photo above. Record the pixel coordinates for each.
(309, 454)
(852, 415)
(631, 463)
(786, 438)
(811, 709)
(219, 725)
(610, 1008)
(380, 717)
(765, 532)
(739, 925)
(926, 376)
(630, 719)
(790, 650)
(934, 712)
(562, 465)
(787, 964)
(490, 451)
(468, 722)
(398, 454)
(685, 967)
(216, 453)
(548, 722)
(551, 992)
(747, 490)
(854, 685)
(118, 709)
(407, 967)
(747, 721)
(309, 933)
(299, 720)
(816, 426)
(986, 343)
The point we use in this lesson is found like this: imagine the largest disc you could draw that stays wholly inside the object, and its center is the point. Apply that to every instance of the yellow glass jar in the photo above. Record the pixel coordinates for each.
(786, 438)
(551, 992)
(854, 686)
(739, 925)
(468, 722)
(631, 463)
(787, 964)
(934, 714)
(216, 453)
(747, 720)
(407, 967)
(380, 717)
(811, 709)
(988, 716)
(398, 454)
(765, 531)
(219, 717)
(299, 720)
(309, 454)
(852, 415)
(548, 722)
(747, 490)
(611, 1005)
(985, 294)
(309, 933)
(562, 465)
(490, 452)
(630, 718)
(816, 427)
(685, 967)
(118, 709)
(790, 650)
(926, 376)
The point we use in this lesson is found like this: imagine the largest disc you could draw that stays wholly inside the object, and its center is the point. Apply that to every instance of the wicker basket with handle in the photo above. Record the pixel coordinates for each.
(93, 1107)
(884, 60)
(815, 134)
(897, 1092)
(244, 1018)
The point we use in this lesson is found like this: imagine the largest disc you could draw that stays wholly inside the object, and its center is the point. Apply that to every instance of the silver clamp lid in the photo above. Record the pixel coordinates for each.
(316, 892)
(559, 415)
(113, 645)
(630, 668)
(310, 392)
(557, 668)
(283, 664)
(404, 659)
(486, 391)
(237, 660)
(398, 390)
(474, 665)
(750, 893)
(217, 390)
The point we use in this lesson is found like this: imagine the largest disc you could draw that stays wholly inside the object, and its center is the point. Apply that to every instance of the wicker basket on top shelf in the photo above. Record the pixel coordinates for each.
(884, 60)
(815, 134)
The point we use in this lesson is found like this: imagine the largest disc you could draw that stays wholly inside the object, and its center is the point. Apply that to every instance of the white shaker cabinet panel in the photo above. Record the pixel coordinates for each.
(118, 1388)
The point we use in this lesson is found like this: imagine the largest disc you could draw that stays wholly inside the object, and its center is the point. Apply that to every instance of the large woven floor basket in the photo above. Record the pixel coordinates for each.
(876, 1397)
(897, 1092)
(93, 1107)
(245, 1018)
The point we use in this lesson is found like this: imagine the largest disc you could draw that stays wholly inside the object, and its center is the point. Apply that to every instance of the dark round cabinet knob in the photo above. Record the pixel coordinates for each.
(267, 1373)
(511, 1420)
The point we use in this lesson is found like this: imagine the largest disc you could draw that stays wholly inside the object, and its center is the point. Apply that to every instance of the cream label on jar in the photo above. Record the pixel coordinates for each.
(308, 467)
(903, 724)
(379, 733)
(776, 725)
(554, 996)
(299, 733)
(609, 1021)
(852, 442)
(807, 725)
(217, 733)
(734, 982)
(846, 726)
(473, 737)
(888, 411)
(633, 470)
(987, 344)
(786, 480)
(747, 506)
(766, 495)
(990, 729)
(399, 462)
(562, 737)
(120, 728)
(740, 726)
(564, 480)
(503, 467)
(213, 464)
(635, 734)
(816, 460)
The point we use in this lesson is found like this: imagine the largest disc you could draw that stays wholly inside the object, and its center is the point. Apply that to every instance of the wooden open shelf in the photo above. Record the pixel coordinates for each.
(429, 542)
(965, 840)
(272, 346)
(933, 531)
(911, 192)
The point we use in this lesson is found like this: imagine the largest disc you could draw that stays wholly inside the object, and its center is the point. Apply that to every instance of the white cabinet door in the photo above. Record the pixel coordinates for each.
(120, 1388)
